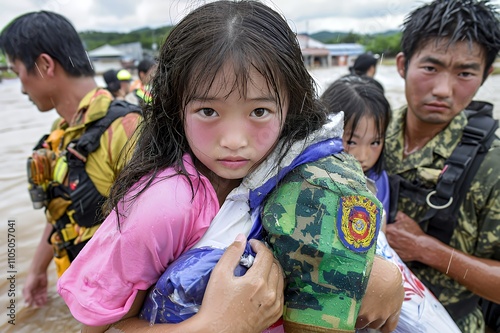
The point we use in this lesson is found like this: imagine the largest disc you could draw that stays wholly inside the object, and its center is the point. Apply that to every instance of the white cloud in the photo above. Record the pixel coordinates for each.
(311, 15)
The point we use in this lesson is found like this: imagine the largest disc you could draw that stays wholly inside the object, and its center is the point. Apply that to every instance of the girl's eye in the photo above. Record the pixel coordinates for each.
(376, 143)
(350, 142)
(208, 112)
(259, 113)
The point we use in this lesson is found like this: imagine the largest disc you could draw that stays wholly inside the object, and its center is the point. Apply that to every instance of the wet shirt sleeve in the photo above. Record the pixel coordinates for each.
(322, 223)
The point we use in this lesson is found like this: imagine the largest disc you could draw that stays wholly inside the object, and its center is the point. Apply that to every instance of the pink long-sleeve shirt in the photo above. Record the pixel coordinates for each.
(163, 222)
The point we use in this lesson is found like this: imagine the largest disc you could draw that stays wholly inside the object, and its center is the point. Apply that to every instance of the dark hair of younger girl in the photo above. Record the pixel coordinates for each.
(359, 96)
(247, 35)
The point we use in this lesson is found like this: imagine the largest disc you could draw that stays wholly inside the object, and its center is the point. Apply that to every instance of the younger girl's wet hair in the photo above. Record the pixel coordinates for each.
(246, 35)
(359, 96)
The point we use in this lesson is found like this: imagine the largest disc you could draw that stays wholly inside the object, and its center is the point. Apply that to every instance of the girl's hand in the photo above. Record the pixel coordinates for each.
(249, 303)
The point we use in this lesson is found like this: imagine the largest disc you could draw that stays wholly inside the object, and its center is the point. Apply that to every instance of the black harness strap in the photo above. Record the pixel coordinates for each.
(459, 170)
(468, 155)
(86, 200)
(89, 141)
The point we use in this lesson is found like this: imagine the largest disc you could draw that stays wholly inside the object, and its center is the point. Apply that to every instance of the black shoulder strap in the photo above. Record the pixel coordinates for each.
(41, 142)
(89, 141)
(465, 160)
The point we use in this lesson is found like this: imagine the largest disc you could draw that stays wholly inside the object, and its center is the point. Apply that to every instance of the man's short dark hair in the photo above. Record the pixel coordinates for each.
(32, 34)
(458, 20)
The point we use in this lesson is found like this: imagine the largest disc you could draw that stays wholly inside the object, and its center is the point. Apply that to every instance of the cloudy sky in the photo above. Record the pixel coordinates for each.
(363, 16)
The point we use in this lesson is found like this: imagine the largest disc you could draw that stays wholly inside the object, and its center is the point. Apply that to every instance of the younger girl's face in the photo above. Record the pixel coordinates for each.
(365, 143)
(231, 132)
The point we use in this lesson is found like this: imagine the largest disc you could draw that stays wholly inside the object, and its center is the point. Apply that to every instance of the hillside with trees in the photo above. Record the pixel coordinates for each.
(382, 43)
(146, 36)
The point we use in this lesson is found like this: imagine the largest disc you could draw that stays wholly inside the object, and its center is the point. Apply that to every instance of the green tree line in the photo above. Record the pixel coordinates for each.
(382, 43)
(146, 36)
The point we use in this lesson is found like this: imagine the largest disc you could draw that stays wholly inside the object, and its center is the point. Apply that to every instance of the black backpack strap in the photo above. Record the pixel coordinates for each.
(41, 142)
(462, 165)
(90, 140)
(86, 199)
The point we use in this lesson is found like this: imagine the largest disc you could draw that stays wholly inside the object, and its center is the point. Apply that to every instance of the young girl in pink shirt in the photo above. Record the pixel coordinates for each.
(230, 85)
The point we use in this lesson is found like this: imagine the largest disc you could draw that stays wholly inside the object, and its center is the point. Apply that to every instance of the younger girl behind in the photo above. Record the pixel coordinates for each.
(366, 117)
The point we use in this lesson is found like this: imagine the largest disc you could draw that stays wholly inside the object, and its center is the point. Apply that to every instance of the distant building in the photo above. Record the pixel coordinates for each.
(126, 55)
(106, 57)
(317, 54)
(132, 54)
(314, 52)
(342, 54)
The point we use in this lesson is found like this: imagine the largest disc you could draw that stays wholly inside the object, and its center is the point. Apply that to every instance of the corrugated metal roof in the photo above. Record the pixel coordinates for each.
(310, 46)
(105, 51)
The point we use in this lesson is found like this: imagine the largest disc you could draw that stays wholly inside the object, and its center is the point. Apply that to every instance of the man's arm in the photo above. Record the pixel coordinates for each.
(35, 287)
(479, 275)
(309, 218)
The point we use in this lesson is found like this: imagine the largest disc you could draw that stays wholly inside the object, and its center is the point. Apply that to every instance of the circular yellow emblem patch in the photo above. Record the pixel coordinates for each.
(358, 221)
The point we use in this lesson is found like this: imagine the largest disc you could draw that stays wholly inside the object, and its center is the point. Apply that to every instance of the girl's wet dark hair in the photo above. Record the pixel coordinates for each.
(32, 34)
(457, 20)
(359, 96)
(247, 35)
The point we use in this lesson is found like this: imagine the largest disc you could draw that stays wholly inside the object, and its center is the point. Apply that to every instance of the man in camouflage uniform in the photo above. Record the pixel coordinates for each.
(448, 48)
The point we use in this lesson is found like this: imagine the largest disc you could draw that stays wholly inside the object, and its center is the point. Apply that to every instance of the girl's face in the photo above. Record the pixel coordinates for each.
(230, 131)
(364, 143)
